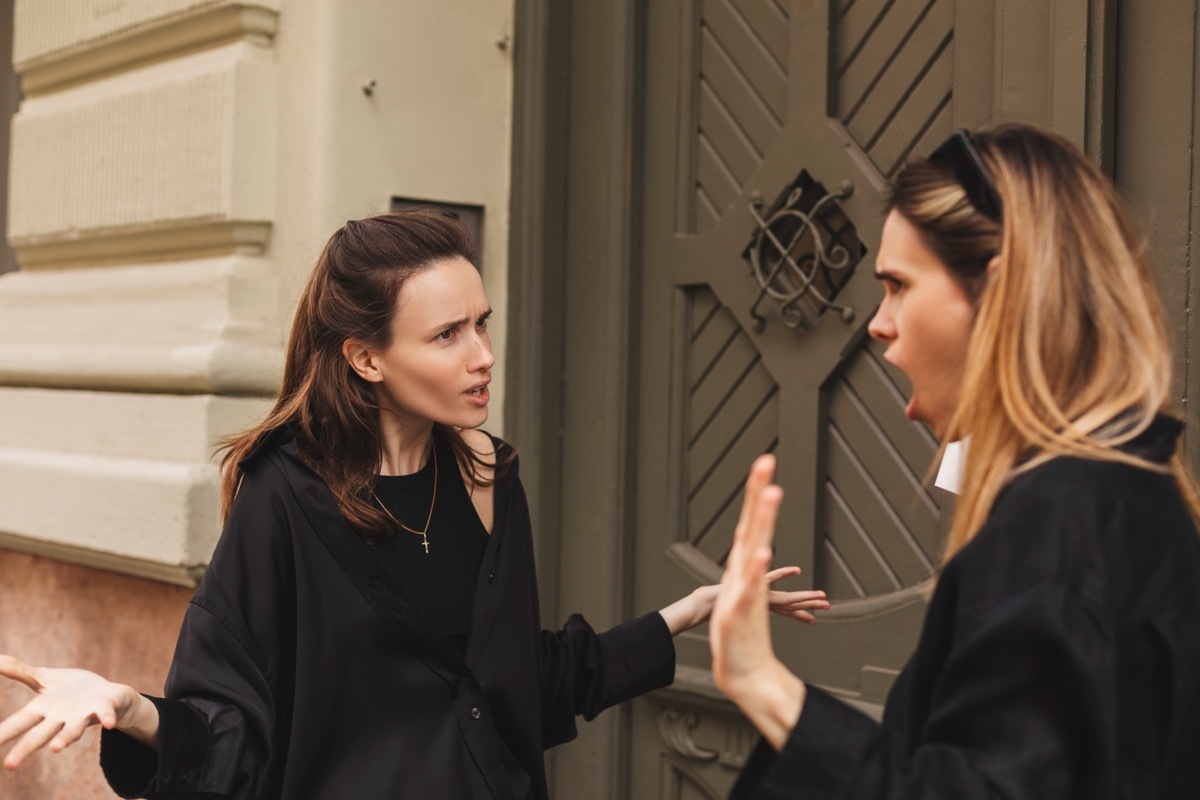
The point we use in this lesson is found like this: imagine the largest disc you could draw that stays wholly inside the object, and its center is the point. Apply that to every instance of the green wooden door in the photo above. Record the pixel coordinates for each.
(768, 128)
(668, 154)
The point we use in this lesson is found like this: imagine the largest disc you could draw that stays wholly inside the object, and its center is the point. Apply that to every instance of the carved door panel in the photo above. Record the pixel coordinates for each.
(769, 131)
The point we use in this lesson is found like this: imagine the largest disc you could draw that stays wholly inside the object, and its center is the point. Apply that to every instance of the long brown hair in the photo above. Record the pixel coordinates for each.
(331, 412)
(1068, 354)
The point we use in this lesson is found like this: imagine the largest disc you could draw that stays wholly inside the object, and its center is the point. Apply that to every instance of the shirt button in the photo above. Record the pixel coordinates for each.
(476, 713)
(465, 683)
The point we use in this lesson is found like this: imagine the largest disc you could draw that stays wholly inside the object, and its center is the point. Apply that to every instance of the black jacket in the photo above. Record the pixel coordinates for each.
(1060, 658)
(303, 672)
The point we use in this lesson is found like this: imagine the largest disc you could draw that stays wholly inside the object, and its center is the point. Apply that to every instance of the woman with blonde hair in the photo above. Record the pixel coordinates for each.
(1060, 655)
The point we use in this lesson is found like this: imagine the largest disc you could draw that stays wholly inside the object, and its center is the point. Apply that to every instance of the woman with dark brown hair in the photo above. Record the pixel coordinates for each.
(1060, 656)
(368, 626)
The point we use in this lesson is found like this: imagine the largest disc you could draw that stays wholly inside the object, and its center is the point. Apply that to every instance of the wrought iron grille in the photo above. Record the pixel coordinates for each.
(803, 252)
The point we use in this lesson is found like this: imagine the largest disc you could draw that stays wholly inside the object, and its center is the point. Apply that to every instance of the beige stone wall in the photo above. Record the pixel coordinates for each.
(175, 167)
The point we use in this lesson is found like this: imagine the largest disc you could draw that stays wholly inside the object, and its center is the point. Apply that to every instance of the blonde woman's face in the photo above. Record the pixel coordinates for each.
(925, 320)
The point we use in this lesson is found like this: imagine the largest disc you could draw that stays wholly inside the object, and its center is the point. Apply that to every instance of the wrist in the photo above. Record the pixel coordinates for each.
(141, 721)
(773, 699)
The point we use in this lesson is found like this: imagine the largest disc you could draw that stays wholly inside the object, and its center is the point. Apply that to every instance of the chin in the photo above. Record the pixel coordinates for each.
(474, 421)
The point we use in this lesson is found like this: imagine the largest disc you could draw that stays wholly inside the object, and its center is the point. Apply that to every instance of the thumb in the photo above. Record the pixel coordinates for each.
(10, 667)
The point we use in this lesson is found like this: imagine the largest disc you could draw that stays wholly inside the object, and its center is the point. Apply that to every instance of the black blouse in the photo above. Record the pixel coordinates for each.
(440, 582)
(303, 672)
(1060, 657)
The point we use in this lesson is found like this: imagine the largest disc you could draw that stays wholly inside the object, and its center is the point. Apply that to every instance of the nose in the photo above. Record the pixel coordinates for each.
(882, 326)
(481, 358)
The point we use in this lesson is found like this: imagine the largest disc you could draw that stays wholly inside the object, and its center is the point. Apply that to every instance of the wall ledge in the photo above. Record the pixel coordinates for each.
(170, 240)
(187, 575)
(164, 37)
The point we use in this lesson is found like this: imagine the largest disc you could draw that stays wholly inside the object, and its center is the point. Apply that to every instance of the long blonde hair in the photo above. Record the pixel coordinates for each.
(1068, 354)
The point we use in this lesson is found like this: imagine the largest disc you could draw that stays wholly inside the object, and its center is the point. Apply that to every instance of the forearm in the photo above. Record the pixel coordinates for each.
(690, 610)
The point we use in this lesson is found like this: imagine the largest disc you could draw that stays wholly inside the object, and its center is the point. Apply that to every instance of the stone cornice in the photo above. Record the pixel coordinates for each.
(162, 37)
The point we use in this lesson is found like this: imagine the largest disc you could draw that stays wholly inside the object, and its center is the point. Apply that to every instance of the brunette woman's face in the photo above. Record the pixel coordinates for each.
(439, 363)
(925, 320)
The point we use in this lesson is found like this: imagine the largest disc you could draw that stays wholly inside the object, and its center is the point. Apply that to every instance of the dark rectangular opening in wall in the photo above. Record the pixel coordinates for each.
(470, 215)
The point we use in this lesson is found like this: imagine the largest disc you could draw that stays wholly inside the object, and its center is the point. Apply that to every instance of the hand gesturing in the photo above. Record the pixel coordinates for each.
(744, 662)
(68, 702)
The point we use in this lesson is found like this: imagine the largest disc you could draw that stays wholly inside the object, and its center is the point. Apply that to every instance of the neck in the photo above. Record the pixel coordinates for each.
(405, 446)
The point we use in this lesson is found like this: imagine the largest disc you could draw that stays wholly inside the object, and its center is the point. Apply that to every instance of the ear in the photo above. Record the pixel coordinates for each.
(993, 268)
(362, 360)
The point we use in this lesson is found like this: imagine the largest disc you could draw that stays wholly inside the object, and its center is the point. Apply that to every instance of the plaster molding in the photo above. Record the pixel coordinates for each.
(189, 144)
(160, 511)
(121, 482)
(211, 325)
(102, 247)
(142, 426)
(142, 41)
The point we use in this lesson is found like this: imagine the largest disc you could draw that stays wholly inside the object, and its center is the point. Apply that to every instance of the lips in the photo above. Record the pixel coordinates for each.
(478, 393)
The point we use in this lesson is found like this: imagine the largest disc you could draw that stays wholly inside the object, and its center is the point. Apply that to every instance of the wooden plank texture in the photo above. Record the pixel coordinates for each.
(727, 137)
(878, 50)
(873, 512)
(753, 59)
(721, 73)
(917, 56)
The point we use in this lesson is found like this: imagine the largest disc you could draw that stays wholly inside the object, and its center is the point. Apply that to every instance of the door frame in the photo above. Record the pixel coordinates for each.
(572, 269)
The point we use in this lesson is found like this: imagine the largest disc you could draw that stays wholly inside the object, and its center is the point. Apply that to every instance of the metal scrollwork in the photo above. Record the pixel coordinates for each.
(791, 260)
(676, 727)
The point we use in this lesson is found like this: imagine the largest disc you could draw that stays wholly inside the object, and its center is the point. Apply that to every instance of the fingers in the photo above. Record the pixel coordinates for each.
(36, 738)
(71, 732)
(755, 540)
(798, 605)
(18, 671)
(19, 723)
(779, 597)
(782, 572)
(761, 473)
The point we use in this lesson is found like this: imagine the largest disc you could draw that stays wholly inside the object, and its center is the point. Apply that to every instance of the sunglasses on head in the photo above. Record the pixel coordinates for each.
(960, 156)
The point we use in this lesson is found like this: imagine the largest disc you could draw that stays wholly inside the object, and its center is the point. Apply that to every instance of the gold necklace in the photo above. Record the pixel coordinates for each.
(432, 502)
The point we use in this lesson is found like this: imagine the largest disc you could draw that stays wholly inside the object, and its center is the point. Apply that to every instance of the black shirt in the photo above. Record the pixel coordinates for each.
(302, 672)
(441, 582)
(1060, 657)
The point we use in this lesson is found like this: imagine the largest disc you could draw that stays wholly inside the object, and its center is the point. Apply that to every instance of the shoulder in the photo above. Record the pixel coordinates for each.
(1071, 492)
(1070, 521)
(260, 522)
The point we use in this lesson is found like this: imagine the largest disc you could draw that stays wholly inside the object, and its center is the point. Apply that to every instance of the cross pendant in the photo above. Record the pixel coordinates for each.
(425, 542)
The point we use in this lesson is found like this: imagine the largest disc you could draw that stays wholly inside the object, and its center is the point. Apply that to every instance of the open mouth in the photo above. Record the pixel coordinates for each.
(479, 392)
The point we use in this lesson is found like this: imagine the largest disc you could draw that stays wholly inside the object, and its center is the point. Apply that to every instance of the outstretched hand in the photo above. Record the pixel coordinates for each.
(797, 605)
(688, 612)
(744, 662)
(68, 702)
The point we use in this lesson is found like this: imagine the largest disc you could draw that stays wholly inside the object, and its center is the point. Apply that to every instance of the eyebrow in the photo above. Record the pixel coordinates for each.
(459, 322)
